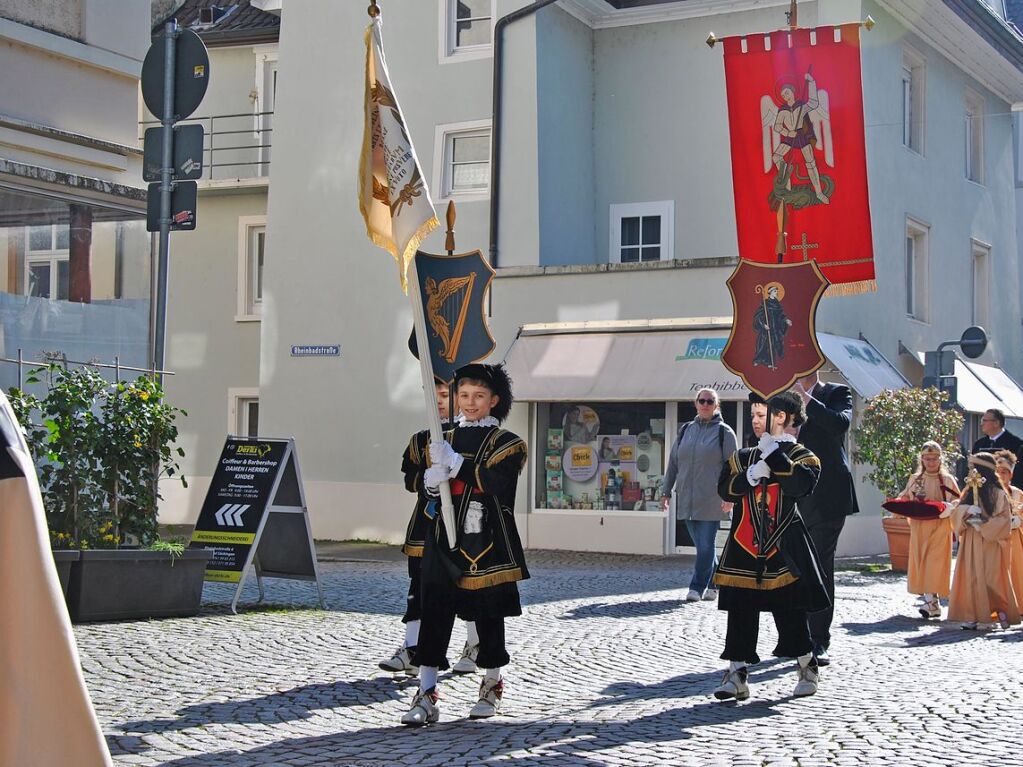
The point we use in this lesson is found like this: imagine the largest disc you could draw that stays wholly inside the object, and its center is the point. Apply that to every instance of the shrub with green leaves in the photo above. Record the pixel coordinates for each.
(101, 449)
(894, 425)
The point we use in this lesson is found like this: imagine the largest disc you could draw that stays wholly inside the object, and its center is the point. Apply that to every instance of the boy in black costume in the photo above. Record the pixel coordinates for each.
(769, 563)
(477, 580)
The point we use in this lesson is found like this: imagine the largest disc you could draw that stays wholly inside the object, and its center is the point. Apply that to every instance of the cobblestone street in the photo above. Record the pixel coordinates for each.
(609, 667)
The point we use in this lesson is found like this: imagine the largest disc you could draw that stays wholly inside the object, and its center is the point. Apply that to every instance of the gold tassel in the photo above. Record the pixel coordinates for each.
(851, 288)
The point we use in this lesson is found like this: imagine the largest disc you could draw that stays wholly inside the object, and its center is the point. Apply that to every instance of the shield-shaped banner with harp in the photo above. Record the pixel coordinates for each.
(454, 288)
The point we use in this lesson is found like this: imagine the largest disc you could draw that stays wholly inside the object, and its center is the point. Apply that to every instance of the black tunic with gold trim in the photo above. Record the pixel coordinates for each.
(413, 463)
(769, 562)
(478, 578)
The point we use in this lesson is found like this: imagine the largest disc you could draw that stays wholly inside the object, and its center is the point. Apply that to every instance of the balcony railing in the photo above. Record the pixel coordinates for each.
(234, 145)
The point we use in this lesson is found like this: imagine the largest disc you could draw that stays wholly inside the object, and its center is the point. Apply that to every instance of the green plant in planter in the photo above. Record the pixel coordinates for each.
(101, 449)
(894, 425)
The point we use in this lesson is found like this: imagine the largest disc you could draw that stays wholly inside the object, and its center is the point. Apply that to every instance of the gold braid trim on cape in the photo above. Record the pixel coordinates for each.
(476, 582)
(518, 446)
(750, 582)
(412, 551)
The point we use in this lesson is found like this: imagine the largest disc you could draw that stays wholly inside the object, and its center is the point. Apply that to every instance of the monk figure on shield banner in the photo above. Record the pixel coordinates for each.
(771, 325)
(800, 122)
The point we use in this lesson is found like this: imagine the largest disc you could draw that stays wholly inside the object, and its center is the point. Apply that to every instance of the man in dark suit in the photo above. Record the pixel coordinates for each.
(992, 423)
(828, 416)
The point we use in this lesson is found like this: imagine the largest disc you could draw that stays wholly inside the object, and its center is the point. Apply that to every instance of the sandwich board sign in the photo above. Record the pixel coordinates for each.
(255, 514)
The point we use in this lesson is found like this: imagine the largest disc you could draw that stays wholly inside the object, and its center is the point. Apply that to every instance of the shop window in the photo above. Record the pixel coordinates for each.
(606, 456)
(466, 29)
(47, 267)
(642, 232)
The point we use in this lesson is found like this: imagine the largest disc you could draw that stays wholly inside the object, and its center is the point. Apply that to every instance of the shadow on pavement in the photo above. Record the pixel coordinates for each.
(623, 609)
(287, 705)
(561, 742)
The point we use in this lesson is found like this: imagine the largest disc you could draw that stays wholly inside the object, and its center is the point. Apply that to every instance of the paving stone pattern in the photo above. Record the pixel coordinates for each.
(609, 667)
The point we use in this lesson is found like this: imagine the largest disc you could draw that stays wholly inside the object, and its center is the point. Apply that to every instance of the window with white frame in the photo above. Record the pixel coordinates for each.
(974, 145)
(981, 281)
(913, 86)
(466, 29)
(243, 412)
(462, 166)
(47, 261)
(917, 277)
(264, 99)
(642, 231)
(251, 259)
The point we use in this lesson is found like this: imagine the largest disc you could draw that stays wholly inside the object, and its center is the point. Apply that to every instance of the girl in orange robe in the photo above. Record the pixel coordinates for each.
(1005, 461)
(983, 521)
(930, 540)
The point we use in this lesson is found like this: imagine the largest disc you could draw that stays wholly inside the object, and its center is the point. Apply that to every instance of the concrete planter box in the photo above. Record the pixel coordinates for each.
(63, 559)
(126, 584)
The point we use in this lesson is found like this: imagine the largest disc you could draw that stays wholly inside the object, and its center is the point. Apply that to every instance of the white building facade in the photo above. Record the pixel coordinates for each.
(616, 234)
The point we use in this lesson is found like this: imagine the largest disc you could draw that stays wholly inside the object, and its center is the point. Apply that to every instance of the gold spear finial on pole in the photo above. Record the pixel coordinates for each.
(449, 240)
(373, 9)
(711, 40)
(793, 15)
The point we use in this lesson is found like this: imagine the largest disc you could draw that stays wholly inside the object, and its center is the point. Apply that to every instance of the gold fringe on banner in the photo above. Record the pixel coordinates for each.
(742, 582)
(851, 288)
(475, 582)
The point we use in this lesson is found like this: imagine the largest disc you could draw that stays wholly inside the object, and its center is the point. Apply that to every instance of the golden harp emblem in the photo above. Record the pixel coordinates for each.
(447, 306)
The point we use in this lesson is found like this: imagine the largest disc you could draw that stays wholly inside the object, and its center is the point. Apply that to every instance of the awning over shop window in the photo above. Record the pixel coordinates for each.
(864, 367)
(667, 360)
(981, 387)
(626, 362)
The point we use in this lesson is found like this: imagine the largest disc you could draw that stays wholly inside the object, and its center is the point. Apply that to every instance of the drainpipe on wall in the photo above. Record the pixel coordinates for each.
(495, 129)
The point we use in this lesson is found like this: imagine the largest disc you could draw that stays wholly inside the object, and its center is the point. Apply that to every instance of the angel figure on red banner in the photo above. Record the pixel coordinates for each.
(770, 324)
(803, 124)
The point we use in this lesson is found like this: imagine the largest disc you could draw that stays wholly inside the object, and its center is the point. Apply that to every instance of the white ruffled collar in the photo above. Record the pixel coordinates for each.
(785, 437)
(486, 421)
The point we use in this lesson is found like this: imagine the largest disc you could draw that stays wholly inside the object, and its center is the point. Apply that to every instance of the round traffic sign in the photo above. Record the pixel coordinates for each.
(974, 341)
(191, 74)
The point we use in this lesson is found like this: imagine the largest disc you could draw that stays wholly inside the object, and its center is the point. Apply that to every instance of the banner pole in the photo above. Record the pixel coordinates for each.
(447, 506)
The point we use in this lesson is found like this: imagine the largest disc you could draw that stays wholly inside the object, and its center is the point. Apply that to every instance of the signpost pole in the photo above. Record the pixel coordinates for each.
(170, 32)
(447, 506)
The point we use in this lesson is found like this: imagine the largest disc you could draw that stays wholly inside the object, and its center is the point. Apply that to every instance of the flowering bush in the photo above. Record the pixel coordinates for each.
(101, 448)
(894, 425)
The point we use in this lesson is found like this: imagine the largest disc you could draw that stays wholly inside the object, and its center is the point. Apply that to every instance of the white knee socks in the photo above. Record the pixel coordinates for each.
(412, 633)
(427, 677)
(493, 674)
(804, 660)
(471, 636)
(735, 665)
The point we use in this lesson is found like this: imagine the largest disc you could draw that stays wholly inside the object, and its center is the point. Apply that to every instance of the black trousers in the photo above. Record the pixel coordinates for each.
(825, 539)
(744, 629)
(414, 603)
(435, 635)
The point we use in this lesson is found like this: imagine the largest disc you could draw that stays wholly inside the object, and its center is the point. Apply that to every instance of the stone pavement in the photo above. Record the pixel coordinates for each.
(609, 667)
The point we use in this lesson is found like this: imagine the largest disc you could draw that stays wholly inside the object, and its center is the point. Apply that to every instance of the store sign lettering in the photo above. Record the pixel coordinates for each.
(703, 349)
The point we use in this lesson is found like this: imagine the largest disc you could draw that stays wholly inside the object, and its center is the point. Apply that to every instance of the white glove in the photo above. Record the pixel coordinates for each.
(758, 471)
(973, 521)
(973, 511)
(947, 508)
(442, 454)
(1016, 522)
(433, 476)
(767, 444)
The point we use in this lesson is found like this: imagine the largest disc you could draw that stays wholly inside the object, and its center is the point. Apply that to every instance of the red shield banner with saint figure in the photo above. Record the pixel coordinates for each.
(799, 169)
(774, 338)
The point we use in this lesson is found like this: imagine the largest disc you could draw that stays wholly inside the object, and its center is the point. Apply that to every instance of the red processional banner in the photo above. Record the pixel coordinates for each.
(799, 167)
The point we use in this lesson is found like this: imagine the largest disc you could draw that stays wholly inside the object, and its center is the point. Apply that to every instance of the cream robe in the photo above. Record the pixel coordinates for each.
(46, 718)
(981, 584)
(930, 540)
(1016, 545)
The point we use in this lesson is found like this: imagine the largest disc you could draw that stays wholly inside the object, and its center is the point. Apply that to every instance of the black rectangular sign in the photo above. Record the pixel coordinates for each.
(188, 153)
(183, 204)
(236, 504)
